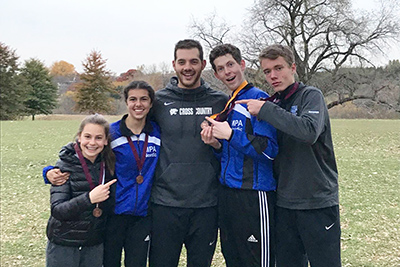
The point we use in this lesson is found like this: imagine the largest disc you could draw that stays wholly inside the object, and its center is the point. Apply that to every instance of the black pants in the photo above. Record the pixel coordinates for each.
(131, 233)
(246, 221)
(308, 235)
(173, 227)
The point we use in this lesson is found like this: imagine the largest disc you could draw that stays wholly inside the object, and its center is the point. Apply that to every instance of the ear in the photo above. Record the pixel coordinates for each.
(293, 68)
(173, 64)
(242, 65)
(216, 75)
(203, 64)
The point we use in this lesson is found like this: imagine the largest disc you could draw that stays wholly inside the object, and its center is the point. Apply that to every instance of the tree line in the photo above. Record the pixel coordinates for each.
(333, 46)
(33, 89)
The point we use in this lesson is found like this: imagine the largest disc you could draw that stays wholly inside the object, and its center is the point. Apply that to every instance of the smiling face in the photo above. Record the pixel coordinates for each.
(138, 103)
(92, 141)
(188, 67)
(278, 73)
(228, 71)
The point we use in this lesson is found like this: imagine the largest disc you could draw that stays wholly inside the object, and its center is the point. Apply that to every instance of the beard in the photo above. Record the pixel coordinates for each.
(188, 84)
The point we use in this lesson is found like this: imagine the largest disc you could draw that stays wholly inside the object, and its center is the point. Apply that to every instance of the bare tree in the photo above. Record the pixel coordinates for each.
(212, 31)
(325, 35)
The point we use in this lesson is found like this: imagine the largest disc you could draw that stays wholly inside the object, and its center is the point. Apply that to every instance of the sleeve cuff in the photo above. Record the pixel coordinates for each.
(45, 170)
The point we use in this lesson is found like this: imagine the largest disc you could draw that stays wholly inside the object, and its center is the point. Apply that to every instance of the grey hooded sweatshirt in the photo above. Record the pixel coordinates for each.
(187, 172)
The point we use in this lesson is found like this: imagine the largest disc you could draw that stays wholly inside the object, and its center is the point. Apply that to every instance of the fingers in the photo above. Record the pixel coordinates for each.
(64, 175)
(212, 121)
(101, 192)
(56, 177)
(58, 182)
(243, 101)
(204, 124)
(206, 134)
(110, 183)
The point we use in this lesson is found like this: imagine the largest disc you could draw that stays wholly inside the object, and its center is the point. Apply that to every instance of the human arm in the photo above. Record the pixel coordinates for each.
(219, 130)
(306, 123)
(65, 208)
(207, 136)
(253, 105)
(53, 175)
(259, 144)
(101, 192)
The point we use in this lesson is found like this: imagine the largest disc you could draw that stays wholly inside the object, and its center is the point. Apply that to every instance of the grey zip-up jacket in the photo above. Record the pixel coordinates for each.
(187, 172)
(305, 167)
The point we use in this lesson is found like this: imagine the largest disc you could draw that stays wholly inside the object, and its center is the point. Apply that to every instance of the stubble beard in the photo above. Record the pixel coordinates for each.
(189, 85)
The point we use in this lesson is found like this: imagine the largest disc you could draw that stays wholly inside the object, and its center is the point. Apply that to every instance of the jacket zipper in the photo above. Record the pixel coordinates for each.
(136, 202)
(137, 185)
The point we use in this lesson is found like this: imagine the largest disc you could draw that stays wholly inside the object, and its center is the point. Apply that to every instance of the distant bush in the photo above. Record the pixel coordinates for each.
(366, 110)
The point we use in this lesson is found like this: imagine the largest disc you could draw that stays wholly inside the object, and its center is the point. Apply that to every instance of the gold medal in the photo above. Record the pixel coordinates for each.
(97, 212)
(139, 179)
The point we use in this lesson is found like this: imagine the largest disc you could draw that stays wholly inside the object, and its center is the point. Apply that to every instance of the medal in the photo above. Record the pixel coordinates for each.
(97, 211)
(139, 160)
(139, 179)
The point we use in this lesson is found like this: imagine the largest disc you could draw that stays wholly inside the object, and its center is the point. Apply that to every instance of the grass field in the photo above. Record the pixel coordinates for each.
(367, 152)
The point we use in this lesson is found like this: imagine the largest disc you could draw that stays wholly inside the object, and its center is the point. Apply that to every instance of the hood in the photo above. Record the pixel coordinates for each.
(68, 154)
(190, 93)
(193, 96)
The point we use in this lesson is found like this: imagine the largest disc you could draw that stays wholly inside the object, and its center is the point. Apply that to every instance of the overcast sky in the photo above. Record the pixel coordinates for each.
(128, 33)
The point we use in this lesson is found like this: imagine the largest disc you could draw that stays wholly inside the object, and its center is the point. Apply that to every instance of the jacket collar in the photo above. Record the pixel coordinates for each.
(125, 131)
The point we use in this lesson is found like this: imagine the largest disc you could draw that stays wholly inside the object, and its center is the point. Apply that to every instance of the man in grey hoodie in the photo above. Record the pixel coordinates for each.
(184, 193)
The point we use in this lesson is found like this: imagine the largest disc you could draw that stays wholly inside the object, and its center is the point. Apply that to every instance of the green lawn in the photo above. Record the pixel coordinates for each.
(367, 152)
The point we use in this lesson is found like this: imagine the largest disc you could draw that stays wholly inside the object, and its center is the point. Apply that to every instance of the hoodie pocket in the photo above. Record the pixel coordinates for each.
(187, 179)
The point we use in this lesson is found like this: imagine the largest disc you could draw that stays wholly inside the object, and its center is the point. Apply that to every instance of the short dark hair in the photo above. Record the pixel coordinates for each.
(139, 85)
(277, 50)
(189, 44)
(224, 49)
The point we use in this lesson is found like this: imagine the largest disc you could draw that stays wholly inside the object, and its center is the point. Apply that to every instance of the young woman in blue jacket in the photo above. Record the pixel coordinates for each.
(136, 144)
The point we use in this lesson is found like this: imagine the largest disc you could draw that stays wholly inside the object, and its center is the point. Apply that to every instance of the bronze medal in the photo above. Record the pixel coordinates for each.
(139, 179)
(97, 212)
(139, 161)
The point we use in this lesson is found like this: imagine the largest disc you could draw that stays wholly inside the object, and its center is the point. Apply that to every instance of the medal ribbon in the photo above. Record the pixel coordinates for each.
(139, 161)
(86, 169)
(229, 106)
(275, 98)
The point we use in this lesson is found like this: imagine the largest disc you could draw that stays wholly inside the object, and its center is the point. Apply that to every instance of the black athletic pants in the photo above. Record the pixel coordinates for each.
(246, 221)
(308, 235)
(131, 233)
(173, 227)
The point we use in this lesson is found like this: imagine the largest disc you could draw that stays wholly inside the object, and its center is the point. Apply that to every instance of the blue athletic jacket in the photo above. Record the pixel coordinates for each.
(246, 159)
(132, 198)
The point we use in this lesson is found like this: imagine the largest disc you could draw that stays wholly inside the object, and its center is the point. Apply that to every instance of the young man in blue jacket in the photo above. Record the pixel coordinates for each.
(307, 213)
(247, 148)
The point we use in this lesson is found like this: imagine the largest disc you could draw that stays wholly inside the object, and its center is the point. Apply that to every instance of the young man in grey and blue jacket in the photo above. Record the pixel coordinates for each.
(307, 213)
